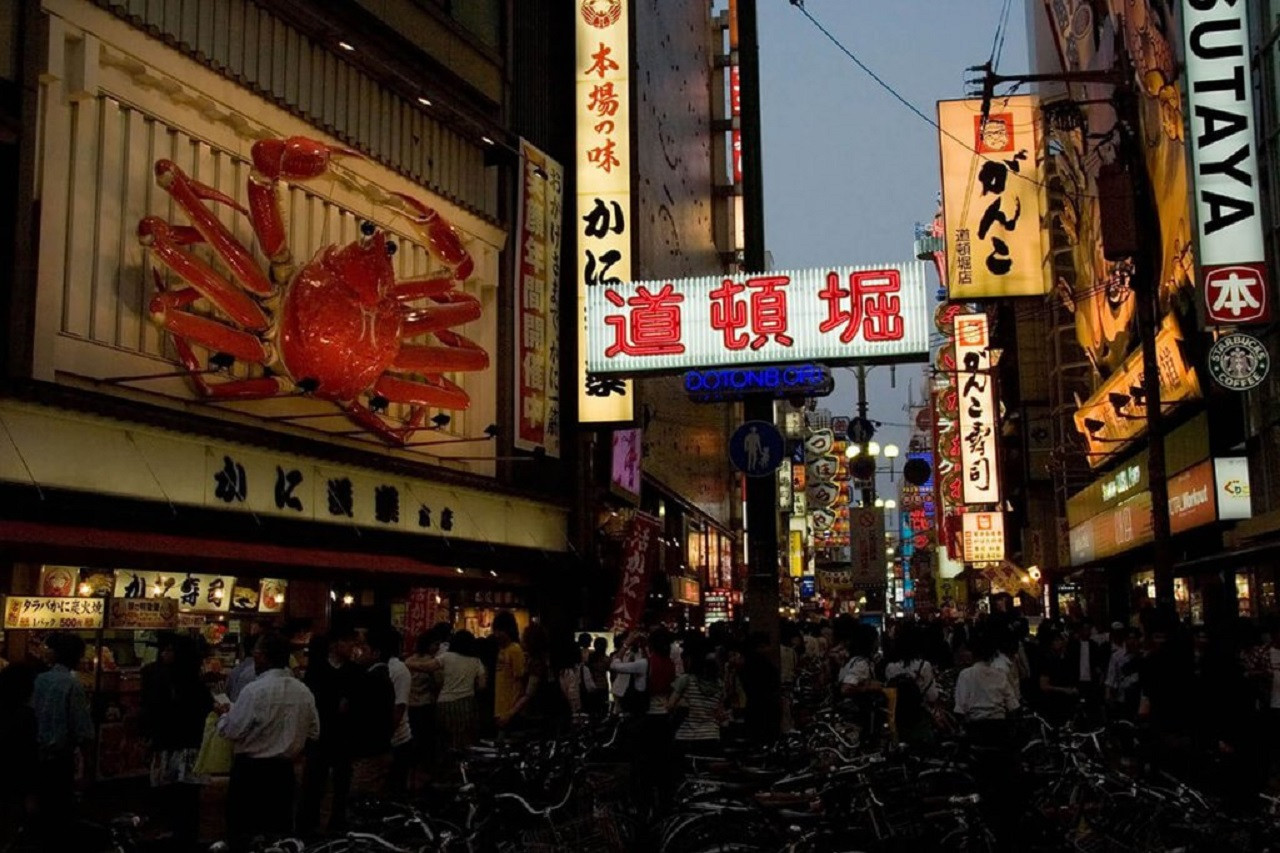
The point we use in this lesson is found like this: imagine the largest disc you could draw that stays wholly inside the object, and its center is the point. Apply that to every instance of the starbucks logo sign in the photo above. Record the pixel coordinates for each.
(1239, 362)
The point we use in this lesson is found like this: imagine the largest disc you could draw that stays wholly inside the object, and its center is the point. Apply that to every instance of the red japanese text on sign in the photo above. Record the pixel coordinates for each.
(840, 314)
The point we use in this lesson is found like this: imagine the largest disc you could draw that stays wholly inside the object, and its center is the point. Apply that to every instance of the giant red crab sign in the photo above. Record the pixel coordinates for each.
(335, 327)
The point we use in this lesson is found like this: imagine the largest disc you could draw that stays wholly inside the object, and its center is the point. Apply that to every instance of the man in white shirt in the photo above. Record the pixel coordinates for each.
(401, 735)
(268, 726)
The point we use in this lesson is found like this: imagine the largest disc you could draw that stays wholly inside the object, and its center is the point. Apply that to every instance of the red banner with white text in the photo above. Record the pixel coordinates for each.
(633, 587)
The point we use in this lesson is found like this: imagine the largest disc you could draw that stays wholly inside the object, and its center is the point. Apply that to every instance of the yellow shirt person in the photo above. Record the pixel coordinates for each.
(509, 669)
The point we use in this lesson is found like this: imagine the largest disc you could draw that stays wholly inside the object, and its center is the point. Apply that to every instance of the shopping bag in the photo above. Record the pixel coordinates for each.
(214, 758)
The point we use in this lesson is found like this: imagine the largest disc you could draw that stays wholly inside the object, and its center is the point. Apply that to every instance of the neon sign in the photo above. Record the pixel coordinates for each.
(810, 380)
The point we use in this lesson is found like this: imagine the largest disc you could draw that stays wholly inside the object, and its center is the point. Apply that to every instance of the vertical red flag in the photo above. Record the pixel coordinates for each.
(417, 615)
(633, 586)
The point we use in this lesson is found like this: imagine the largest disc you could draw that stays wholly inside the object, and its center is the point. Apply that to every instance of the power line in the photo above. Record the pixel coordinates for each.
(916, 110)
(997, 44)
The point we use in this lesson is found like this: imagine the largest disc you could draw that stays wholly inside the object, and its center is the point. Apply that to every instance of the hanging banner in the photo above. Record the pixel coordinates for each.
(992, 187)
(978, 415)
(43, 613)
(419, 614)
(829, 315)
(633, 586)
(867, 561)
(624, 470)
(1226, 178)
(539, 214)
(603, 168)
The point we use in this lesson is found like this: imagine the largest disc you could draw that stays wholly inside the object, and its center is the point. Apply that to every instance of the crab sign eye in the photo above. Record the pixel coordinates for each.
(391, 247)
(367, 228)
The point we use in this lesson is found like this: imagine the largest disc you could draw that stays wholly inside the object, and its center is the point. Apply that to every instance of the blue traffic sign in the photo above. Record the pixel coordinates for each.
(756, 448)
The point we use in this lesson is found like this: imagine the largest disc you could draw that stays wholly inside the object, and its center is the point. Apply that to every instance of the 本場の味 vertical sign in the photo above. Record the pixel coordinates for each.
(992, 176)
(540, 211)
(603, 218)
(1226, 178)
(977, 415)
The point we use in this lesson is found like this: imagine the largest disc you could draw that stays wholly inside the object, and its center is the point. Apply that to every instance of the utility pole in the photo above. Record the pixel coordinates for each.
(1147, 256)
(1131, 229)
(869, 487)
(762, 492)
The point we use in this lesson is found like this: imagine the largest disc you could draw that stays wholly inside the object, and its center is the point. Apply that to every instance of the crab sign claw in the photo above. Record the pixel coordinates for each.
(296, 158)
(443, 241)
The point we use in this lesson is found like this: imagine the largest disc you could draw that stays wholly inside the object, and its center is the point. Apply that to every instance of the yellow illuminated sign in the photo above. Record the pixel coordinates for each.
(603, 220)
(47, 613)
(992, 188)
(1117, 413)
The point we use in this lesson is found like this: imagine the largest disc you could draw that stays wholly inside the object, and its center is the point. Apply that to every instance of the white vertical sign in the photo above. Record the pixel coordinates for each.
(979, 426)
(1225, 178)
(1231, 476)
(983, 537)
(603, 219)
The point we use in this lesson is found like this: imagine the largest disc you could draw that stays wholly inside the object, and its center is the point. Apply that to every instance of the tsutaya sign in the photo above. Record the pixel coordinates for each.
(1228, 212)
(829, 315)
(603, 107)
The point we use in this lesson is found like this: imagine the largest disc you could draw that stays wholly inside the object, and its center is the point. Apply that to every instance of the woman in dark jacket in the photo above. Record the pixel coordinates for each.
(175, 703)
(18, 746)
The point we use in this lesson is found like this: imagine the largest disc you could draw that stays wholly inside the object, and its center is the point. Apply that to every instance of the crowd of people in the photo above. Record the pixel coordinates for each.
(353, 714)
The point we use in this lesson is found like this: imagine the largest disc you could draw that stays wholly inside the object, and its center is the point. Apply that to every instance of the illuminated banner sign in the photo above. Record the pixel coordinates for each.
(992, 178)
(43, 613)
(983, 536)
(830, 315)
(144, 614)
(1226, 177)
(603, 218)
(1115, 414)
(809, 380)
(201, 593)
(539, 213)
(978, 415)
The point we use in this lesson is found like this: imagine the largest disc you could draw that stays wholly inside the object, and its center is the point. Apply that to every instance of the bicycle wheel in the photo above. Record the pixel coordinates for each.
(723, 832)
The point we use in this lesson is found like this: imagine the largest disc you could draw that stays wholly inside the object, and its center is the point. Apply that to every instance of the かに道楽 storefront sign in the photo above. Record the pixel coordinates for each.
(828, 315)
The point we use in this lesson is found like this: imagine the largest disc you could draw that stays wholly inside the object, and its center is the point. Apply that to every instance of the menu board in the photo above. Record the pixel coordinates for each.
(47, 613)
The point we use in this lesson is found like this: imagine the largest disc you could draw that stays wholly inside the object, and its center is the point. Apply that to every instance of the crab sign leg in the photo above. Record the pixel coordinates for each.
(190, 196)
(437, 392)
(458, 353)
(295, 158)
(419, 288)
(434, 318)
(178, 323)
(164, 242)
(362, 417)
(444, 243)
